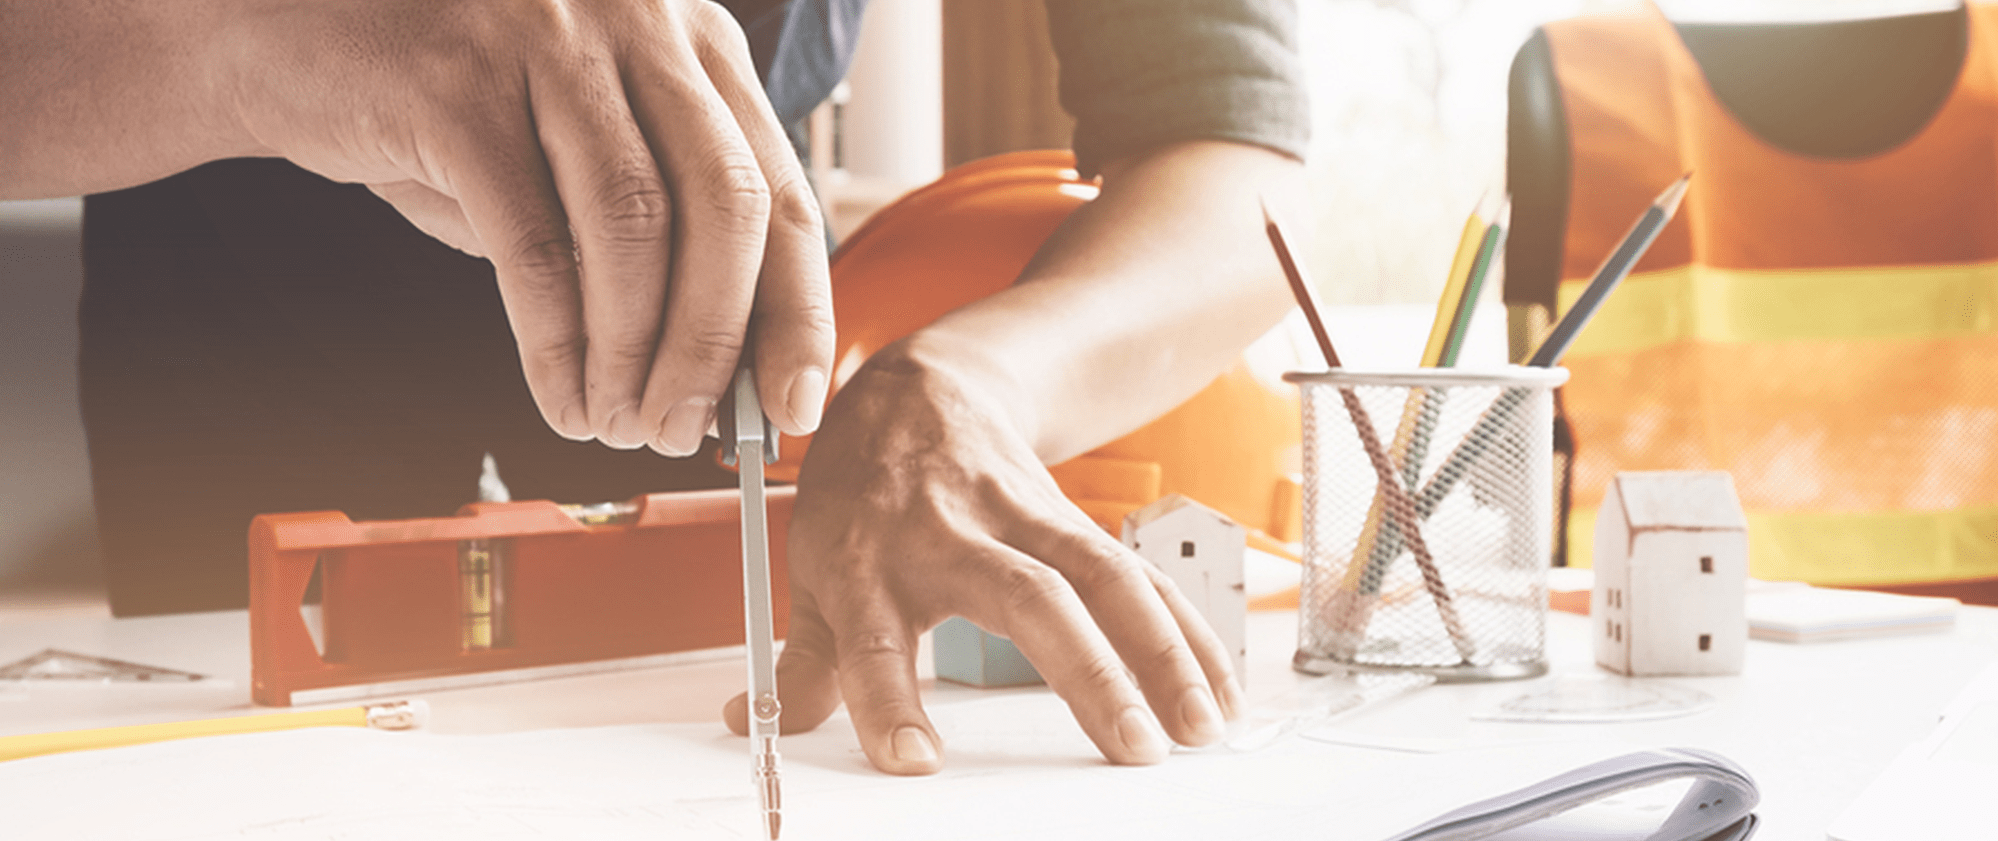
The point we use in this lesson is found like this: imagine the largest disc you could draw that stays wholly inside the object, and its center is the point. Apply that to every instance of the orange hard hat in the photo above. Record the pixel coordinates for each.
(968, 235)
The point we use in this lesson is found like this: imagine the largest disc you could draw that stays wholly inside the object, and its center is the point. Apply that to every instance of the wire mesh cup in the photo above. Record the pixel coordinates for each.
(1428, 506)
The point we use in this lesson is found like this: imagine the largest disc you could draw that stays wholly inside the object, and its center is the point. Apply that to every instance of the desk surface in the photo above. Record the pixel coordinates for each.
(1813, 723)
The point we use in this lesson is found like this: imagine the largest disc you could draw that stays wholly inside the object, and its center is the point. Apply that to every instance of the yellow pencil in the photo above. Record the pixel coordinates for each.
(398, 715)
(1461, 264)
(1362, 580)
(1453, 284)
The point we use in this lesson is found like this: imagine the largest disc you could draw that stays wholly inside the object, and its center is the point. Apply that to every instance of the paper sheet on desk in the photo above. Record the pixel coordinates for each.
(1018, 767)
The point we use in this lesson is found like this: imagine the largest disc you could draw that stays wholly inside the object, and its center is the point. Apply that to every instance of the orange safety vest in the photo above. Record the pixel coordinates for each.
(1824, 329)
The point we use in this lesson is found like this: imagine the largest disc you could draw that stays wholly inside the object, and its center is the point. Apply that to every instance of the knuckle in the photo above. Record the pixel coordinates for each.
(794, 208)
(736, 193)
(814, 312)
(1100, 570)
(872, 645)
(1024, 586)
(632, 353)
(1101, 671)
(1167, 588)
(541, 15)
(800, 314)
(634, 208)
(561, 351)
(547, 263)
(1164, 653)
(712, 348)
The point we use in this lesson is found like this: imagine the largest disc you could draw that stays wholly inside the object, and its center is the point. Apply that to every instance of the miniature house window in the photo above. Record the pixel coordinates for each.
(1706, 563)
(1706, 642)
(1186, 548)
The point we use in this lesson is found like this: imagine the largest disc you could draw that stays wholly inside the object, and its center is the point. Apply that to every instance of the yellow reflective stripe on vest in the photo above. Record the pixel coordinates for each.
(1902, 547)
(1709, 304)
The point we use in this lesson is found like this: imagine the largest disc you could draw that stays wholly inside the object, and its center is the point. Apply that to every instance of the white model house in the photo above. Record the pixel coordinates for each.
(1671, 563)
(1201, 550)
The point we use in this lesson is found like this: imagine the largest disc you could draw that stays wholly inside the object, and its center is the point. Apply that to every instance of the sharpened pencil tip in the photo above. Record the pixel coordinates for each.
(1300, 288)
(1488, 202)
(1668, 201)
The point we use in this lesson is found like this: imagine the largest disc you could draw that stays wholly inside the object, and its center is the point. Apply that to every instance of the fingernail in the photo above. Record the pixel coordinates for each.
(680, 432)
(623, 430)
(913, 745)
(575, 423)
(1141, 736)
(807, 398)
(1200, 715)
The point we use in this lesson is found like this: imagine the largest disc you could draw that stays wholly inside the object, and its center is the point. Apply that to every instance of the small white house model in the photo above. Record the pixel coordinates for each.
(1202, 551)
(1671, 565)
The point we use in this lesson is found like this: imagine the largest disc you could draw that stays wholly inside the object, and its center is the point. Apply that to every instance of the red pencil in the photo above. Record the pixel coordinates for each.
(1307, 298)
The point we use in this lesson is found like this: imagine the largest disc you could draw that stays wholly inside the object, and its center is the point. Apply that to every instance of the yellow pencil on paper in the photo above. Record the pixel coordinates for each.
(399, 715)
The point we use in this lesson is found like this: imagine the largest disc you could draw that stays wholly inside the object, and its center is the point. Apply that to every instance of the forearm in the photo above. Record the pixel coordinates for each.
(1141, 298)
(101, 94)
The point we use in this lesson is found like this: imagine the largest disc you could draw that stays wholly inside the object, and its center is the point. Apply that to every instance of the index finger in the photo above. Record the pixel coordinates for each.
(1176, 659)
(792, 319)
(1033, 605)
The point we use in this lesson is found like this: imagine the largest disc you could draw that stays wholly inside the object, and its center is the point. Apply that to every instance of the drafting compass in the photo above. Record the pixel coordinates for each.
(748, 443)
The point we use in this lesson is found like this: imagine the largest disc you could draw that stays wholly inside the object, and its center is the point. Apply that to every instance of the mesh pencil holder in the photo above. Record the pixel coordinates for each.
(1428, 506)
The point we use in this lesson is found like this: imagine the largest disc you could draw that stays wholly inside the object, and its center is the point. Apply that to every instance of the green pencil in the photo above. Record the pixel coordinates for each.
(1460, 322)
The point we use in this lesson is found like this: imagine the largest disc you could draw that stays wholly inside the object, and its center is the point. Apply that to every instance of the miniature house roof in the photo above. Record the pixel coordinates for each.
(1169, 504)
(1689, 499)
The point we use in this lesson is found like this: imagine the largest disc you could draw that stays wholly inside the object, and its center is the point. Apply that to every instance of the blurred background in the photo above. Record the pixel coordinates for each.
(1408, 106)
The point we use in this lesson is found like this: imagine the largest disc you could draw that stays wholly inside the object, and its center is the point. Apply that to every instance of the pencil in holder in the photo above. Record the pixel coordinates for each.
(1427, 503)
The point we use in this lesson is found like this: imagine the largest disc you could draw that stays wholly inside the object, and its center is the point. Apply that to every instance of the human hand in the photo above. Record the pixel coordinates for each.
(918, 501)
(616, 160)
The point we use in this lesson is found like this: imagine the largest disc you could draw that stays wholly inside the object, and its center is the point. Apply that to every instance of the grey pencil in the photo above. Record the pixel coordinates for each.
(1611, 273)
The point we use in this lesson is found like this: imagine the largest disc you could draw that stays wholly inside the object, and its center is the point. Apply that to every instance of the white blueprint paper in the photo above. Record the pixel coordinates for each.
(1017, 768)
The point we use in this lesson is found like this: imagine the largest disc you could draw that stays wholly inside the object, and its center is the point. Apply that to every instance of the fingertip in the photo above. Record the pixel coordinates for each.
(909, 750)
(806, 400)
(623, 430)
(573, 422)
(1141, 739)
(1200, 717)
(683, 427)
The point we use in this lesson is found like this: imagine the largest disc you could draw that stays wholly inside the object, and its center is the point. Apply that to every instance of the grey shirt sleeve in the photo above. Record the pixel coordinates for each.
(1137, 74)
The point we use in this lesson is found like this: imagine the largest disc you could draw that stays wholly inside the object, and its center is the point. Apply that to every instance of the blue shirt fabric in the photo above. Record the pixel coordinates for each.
(802, 49)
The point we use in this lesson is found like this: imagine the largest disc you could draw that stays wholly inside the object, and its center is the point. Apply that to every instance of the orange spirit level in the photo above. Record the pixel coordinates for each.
(502, 586)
